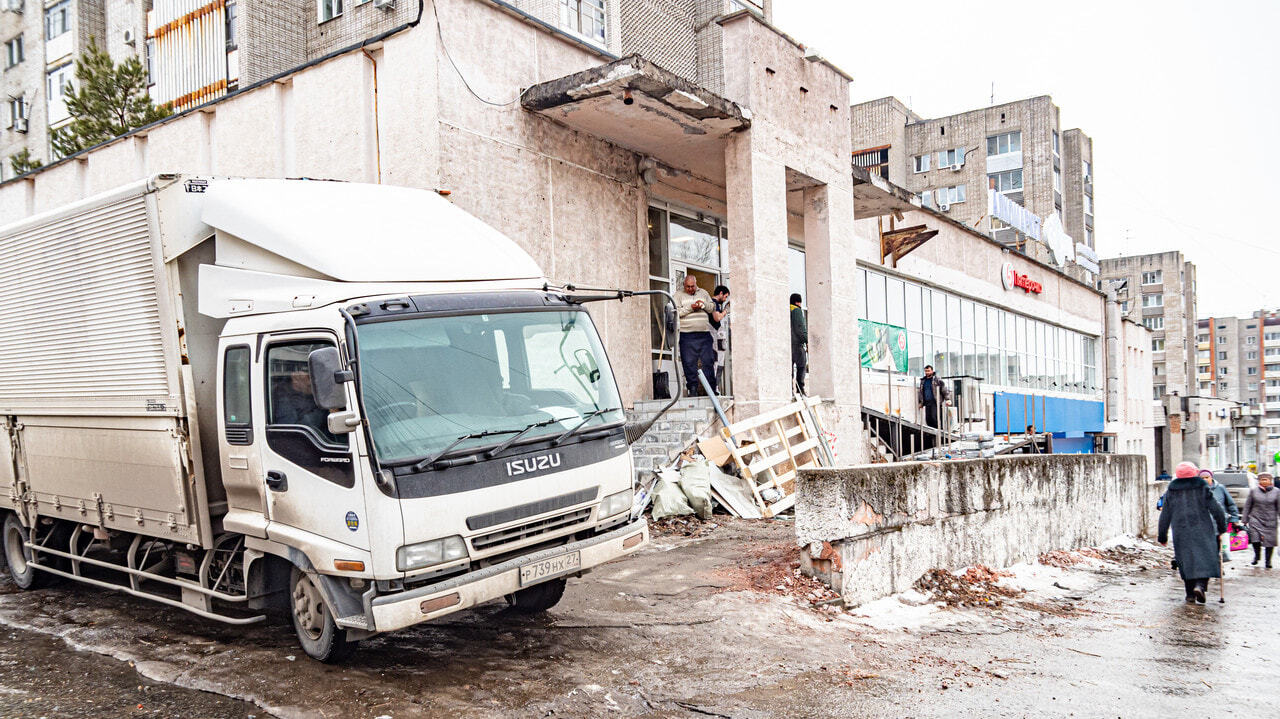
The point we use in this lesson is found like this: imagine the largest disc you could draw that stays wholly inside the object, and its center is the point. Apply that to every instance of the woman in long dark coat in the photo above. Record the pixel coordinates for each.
(1197, 520)
(1260, 513)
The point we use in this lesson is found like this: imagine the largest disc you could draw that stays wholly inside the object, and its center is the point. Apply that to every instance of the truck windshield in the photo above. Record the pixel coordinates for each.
(429, 381)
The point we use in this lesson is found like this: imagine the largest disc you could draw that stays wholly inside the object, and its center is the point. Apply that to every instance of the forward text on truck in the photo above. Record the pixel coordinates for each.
(356, 404)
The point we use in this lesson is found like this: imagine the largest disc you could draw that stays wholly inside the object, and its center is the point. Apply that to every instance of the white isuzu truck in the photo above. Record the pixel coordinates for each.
(356, 404)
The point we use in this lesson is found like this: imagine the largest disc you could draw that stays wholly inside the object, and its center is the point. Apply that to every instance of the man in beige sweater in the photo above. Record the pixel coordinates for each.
(696, 343)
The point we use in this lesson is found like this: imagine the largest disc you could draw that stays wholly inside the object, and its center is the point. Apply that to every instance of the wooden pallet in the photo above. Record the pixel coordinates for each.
(769, 449)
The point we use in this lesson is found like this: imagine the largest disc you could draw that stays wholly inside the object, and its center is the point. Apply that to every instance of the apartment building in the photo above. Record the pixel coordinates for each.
(1008, 169)
(1238, 359)
(1159, 291)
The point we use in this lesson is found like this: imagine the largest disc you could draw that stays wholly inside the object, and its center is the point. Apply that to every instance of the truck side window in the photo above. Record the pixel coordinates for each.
(236, 408)
(289, 399)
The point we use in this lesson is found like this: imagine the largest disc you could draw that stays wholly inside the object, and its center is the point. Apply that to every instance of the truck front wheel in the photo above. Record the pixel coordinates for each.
(538, 598)
(18, 556)
(319, 636)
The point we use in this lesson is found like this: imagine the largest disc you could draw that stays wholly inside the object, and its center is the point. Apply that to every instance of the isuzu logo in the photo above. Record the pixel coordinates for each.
(529, 465)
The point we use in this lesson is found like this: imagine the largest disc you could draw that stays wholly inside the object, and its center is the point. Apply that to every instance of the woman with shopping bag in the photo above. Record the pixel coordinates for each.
(1261, 510)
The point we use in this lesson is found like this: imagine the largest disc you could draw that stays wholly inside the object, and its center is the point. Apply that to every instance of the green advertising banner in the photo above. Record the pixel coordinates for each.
(882, 346)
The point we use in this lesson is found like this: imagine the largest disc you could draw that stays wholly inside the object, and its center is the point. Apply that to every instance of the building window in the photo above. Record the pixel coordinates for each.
(1157, 345)
(1007, 181)
(1086, 168)
(1253, 386)
(13, 52)
(1153, 278)
(584, 17)
(231, 24)
(926, 198)
(1251, 354)
(1251, 340)
(1222, 355)
(1057, 182)
(922, 162)
(329, 9)
(1153, 323)
(1124, 306)
(1004, 143)
(1158, 391)
(949, 195)
(1222, 371)
(57, 20)
(1157, 369)
(1251, 370)
(1269, 336)
(1056, 149)
(951, 158)
(1088, 204)
(1271, 352)
(1153, 300)
(149, 61)
(1088, 236)
(18, 112)
(59, 85)
(1222, 386)
(1222, 339)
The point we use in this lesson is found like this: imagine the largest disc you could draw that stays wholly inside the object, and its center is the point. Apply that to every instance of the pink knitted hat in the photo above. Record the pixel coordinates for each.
(1186, 470)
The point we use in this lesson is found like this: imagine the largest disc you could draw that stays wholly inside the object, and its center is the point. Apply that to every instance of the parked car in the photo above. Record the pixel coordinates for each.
(1238, 482)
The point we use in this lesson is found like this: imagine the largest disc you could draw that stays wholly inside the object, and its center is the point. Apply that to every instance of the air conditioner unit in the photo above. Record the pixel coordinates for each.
(957, 168)
(20, 124)
(128, 36)
(944, 207)
(385, 4)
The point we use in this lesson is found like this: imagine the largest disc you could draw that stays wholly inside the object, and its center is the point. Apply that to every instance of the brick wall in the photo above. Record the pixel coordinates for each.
(273, 37)
(356, 23)
(662, 31)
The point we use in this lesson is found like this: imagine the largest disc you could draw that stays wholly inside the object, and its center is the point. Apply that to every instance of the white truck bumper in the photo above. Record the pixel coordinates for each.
(397, 611)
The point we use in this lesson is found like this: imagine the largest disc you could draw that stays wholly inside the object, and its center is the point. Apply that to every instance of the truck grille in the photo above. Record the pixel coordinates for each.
(532, 529)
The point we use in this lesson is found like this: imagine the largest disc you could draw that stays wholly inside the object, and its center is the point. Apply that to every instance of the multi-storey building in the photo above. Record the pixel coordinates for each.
(196, 51)
(960, 163)
(1238, 359)
(1159, 291)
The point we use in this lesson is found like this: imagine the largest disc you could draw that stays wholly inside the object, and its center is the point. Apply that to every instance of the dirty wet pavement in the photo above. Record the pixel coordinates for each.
(694, 626)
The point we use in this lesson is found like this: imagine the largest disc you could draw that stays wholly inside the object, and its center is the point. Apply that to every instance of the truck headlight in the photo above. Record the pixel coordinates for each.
(615, 503)
(424, 554)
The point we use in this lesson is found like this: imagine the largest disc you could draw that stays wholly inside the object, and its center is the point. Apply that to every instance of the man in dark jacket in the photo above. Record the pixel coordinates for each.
(1197, 520)
(931, 395)
(799, 342)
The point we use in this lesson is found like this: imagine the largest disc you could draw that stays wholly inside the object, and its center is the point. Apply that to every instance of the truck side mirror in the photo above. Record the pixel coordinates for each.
(327, 376)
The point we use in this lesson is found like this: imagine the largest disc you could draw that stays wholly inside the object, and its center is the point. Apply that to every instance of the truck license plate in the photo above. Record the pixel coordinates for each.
(538, 571)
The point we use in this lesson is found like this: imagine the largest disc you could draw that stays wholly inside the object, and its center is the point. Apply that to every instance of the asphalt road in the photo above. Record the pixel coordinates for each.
(675, 632)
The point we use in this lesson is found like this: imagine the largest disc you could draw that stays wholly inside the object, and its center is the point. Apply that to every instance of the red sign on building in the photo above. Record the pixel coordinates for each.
(1012, 279)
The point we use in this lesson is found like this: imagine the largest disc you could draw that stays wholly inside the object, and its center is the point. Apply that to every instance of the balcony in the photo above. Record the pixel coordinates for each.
(1203, 345)
(1204, 377)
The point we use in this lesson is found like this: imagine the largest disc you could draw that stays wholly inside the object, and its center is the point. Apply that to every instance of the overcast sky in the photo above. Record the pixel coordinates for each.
(1182, 100)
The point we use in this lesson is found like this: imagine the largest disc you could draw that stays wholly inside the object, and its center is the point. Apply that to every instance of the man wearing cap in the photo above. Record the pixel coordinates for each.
(1197, 520)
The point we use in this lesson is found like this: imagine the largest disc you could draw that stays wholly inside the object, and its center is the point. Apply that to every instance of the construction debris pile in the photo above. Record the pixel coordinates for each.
(749, 470)
(776, 570)
(978, 587)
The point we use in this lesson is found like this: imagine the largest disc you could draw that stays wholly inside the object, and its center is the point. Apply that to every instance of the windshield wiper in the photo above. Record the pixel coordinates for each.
(590, 416)
(511, 440)
(419, 466)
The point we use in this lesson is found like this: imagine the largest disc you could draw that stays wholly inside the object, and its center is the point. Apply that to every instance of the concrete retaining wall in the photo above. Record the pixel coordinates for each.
(873, 530)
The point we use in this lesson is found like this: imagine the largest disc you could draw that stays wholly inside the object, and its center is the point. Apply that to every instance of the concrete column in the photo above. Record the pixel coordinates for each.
(757, 203)
(834, 302)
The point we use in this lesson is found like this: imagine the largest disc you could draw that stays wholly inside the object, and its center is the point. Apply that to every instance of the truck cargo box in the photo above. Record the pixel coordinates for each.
(97, 383)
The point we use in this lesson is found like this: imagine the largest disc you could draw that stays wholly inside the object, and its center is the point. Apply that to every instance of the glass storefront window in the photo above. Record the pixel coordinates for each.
(894, 304)
(876, 298)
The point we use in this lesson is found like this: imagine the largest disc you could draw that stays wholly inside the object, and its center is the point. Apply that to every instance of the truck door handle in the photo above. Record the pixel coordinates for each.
(276, 481)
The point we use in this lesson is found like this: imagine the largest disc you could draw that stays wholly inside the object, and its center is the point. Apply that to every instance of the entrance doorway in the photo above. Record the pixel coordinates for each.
(684, 242)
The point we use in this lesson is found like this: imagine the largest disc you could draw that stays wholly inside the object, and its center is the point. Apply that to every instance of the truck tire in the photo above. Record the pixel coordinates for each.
(320, 637)
(18, 557)
(539, 597)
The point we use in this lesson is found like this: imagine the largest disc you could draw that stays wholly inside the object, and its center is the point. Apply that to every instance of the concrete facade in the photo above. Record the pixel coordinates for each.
(1159, 291)
(1050, 161)
(1134, 426)
(886, 525)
